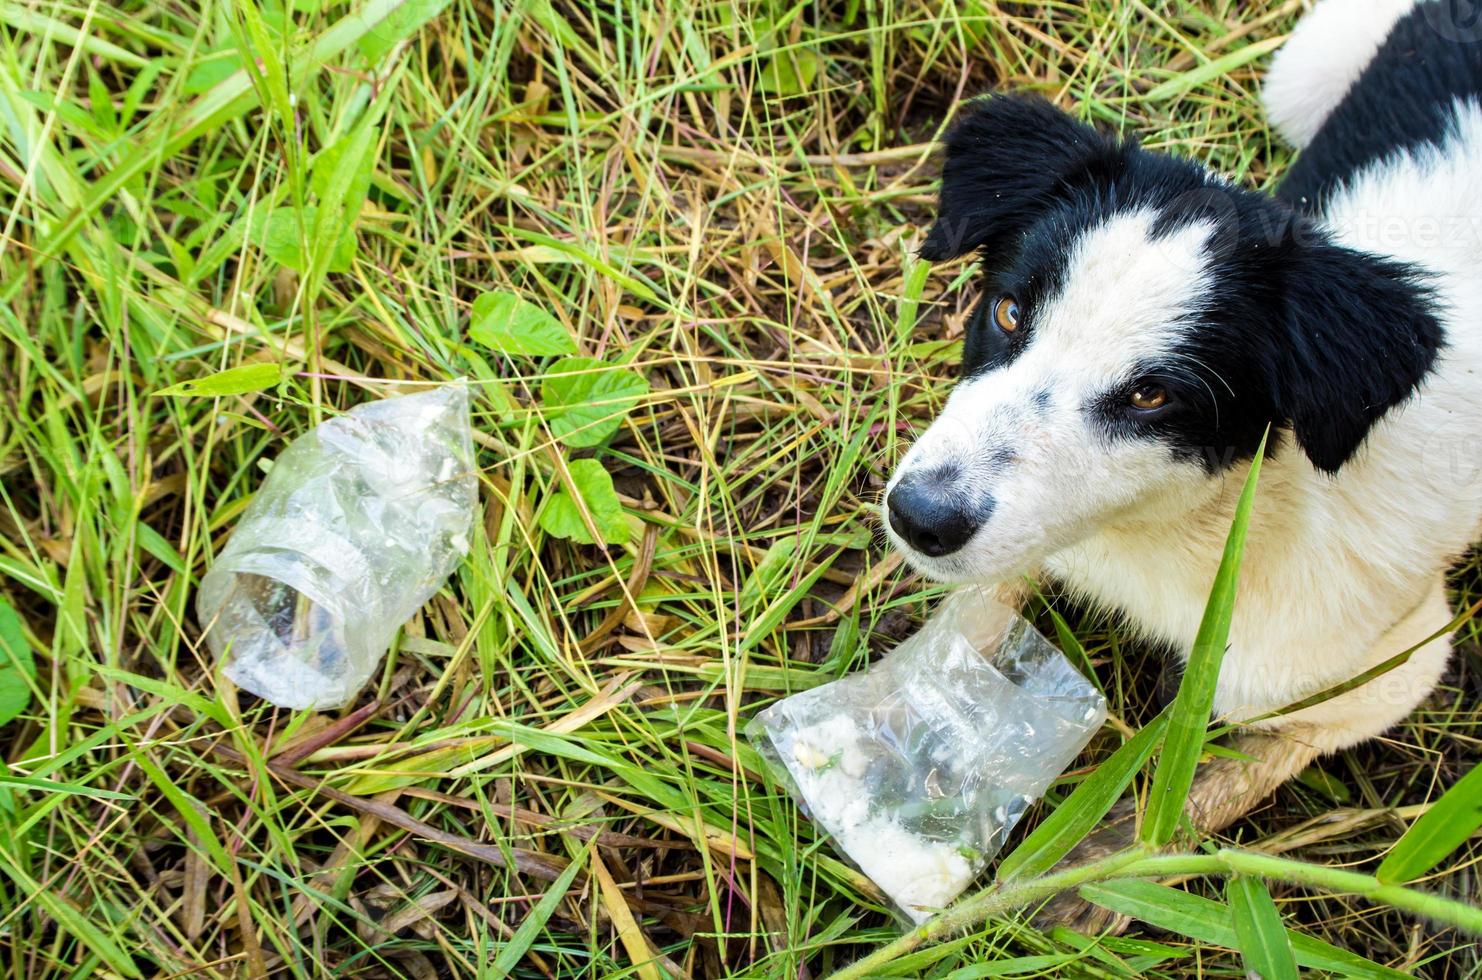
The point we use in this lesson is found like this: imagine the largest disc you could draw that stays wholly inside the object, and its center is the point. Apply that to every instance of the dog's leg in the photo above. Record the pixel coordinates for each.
(1225, 789)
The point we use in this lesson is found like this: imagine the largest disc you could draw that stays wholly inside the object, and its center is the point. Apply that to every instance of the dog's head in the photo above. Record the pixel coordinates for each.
(1138, 325)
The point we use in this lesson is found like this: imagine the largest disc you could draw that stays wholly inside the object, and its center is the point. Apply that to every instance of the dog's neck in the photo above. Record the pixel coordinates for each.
(1156, 565)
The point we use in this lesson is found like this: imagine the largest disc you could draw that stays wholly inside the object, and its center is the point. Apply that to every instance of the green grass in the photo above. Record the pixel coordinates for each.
(723, 198)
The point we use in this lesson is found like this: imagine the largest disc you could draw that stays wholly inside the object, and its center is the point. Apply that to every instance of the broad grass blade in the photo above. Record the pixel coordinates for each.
(1086, 805)
(910, 301)
(1189, 719)
(1443, 828)
(1264, 946)
(630, 934)
(1207, 921)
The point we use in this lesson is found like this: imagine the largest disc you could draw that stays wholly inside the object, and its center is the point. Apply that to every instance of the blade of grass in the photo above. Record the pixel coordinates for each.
(233, 381)
(1218, 68)
(917, 271)
(1443, 828)
(1264, 944)
(635, 943)
(519, 944)
(1208, 921)
(69, 918)
(1188, 719)
(1083, 809)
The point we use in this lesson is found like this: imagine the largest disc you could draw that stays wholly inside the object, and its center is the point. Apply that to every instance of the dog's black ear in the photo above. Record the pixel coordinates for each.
(1359, 335)
(1006, 159)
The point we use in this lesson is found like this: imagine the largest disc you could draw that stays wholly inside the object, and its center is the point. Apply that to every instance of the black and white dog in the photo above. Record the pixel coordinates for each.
(1140, 323)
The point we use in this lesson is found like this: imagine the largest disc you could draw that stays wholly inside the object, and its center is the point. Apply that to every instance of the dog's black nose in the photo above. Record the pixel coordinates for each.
(923, 513)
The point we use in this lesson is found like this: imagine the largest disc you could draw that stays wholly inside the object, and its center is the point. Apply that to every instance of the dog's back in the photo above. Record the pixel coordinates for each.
(1409, 75)
(1392, 163)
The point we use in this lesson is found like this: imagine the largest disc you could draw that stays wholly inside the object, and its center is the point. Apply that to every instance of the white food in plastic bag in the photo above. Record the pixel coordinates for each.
(921, 765)
(358, 523)
(914, 871)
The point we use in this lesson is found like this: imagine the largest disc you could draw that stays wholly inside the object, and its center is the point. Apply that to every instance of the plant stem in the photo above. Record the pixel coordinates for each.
(1467, 918)
(1141, 862)
(993, 900)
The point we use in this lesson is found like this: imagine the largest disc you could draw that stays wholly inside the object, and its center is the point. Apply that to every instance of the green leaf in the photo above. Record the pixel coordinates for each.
(154, 543)
(65, 110)
(511, 325)
(1439, 831)
(587, 399)
(519, 944)
(282, 232)
(1071, 646)
(102, 101)
(633, 283)
(193, 813)
(17, 666)
(1091, 949)
(66, 789)
(211, 68)
(1324, 782)
(168, 692)
(562, 518)
(341, 179)
(771, 573)
(233, 381)
(1084, 808)
(266, 51)
(764, 621)
(1264, 946)
(789, 72)
(400, 23)
(917, 272)
(7, 808)
(1043, 965)
(1207, 921)
(1189, 719)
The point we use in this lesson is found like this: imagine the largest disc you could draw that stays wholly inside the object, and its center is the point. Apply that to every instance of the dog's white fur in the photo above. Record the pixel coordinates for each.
(1341, 572)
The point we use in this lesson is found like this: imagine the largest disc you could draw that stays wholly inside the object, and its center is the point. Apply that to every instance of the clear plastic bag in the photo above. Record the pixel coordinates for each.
(920, 766)
(358, 523)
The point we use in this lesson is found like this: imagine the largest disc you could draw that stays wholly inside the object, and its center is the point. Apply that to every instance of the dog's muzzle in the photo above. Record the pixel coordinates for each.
(929, 517)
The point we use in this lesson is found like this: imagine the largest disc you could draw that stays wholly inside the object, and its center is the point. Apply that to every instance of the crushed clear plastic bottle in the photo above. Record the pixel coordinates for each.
(359, 522)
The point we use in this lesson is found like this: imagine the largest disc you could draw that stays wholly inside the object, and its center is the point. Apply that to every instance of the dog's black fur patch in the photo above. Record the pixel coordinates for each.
(1008, 158)
(1402, 101)
(1295, 331)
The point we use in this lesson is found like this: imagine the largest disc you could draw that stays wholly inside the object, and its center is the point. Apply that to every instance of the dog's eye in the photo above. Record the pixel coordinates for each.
(1006, 314)
(1147, 397)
